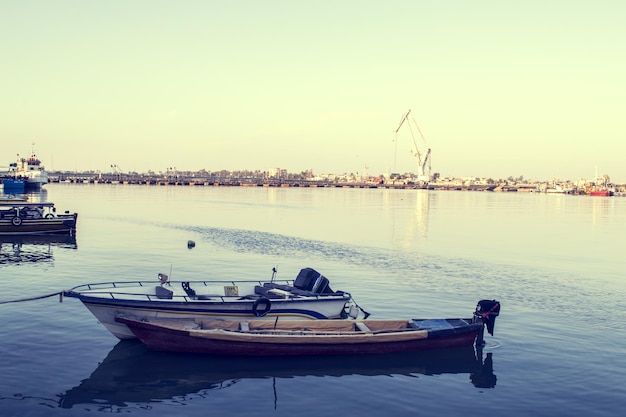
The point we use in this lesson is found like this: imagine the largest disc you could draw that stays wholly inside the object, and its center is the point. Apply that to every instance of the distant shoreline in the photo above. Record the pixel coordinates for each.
(217, 181)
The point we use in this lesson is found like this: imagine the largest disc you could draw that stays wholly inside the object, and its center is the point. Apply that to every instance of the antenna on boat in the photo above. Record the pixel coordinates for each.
(274, 272)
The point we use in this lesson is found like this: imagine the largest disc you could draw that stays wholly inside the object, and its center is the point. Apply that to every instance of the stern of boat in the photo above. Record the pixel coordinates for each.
(486, 313)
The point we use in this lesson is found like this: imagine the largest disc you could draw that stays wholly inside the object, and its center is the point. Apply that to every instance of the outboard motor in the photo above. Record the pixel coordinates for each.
(309, 279)
(487, 311)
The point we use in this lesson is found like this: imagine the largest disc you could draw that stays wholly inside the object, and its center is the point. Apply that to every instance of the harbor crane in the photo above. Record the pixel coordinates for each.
(423, 161)
(117, 171)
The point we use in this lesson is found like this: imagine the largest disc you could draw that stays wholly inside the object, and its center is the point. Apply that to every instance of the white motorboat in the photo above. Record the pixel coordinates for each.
(309, 296)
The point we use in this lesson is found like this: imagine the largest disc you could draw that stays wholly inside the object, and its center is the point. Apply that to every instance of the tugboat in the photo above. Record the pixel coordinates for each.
(31, 171)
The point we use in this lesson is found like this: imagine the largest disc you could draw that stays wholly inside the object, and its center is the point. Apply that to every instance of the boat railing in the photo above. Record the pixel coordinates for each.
(123, 284)
(115, 288)
(123, 290)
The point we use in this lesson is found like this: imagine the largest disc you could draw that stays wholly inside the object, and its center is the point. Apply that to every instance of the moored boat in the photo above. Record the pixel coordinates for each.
(13, 186)
(309, 296)
(601, 193)
(30, 170)
(21, 218)
(318, 337)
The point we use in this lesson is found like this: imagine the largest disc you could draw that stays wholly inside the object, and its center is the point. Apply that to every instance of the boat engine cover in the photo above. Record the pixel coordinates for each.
(488, 310)
(309, 279)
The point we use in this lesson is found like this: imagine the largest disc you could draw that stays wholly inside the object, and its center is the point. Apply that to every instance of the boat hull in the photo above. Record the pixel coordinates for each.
(225, 308)
(60, 224)
(309, 296)
(12, 186)
(35, 181)
(601, 193)
(216, 342)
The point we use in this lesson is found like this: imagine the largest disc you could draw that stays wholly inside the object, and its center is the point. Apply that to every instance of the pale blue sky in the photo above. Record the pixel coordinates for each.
(499, 88)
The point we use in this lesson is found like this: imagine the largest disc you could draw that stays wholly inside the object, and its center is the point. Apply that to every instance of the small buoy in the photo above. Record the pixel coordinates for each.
(191, 244)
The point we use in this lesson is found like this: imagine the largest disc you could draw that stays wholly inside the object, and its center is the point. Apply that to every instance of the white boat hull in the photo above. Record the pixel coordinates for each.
(286, 309)
(234, 300)
(36, 180)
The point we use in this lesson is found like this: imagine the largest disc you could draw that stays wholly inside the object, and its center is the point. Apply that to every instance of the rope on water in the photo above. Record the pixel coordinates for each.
(60, 294)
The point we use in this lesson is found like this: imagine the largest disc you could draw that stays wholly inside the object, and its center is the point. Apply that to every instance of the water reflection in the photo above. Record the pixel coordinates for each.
(132, 374)
(409, 227)
(19, 249)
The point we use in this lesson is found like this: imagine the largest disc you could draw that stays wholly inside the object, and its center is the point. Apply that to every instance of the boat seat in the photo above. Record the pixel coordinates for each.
(163, 293)
(293, 290)
(280, 292)
(266, 292)
(278, 286)
(319, 286)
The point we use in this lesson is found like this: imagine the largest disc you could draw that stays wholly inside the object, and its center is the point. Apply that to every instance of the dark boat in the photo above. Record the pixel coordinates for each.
(314, 337)
(22, 218)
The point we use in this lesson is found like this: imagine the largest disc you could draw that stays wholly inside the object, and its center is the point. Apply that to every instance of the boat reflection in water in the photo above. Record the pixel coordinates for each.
(17, 249)
(133, 374)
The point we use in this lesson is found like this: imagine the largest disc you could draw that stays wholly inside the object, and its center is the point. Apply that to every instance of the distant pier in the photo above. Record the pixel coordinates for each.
(129, 179)
(402, 184)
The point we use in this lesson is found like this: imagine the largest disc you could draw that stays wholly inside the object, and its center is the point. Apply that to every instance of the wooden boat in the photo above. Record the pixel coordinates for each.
(318, 337)
(309, 296)
(20, 218)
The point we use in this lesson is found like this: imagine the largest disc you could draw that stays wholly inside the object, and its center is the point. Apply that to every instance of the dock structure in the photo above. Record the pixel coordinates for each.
(393, 182)
(286, 180)
(229, 181)
(213, 181)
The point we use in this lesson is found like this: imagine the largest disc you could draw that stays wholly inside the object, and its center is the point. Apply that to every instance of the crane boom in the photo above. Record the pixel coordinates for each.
(423, 166)
(404, 118)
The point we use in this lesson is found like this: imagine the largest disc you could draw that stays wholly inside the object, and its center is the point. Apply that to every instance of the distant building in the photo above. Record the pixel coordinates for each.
(277, 173)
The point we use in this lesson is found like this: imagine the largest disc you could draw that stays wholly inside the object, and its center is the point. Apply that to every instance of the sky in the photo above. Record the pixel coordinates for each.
(498, 88)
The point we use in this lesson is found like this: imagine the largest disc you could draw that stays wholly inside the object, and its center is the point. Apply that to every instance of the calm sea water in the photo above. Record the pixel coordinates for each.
(555, 262)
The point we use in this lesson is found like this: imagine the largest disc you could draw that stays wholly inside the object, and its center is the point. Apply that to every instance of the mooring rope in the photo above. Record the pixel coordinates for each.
(60, 294)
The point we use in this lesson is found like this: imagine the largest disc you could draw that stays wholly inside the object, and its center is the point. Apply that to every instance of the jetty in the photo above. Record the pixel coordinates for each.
(345, 181)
